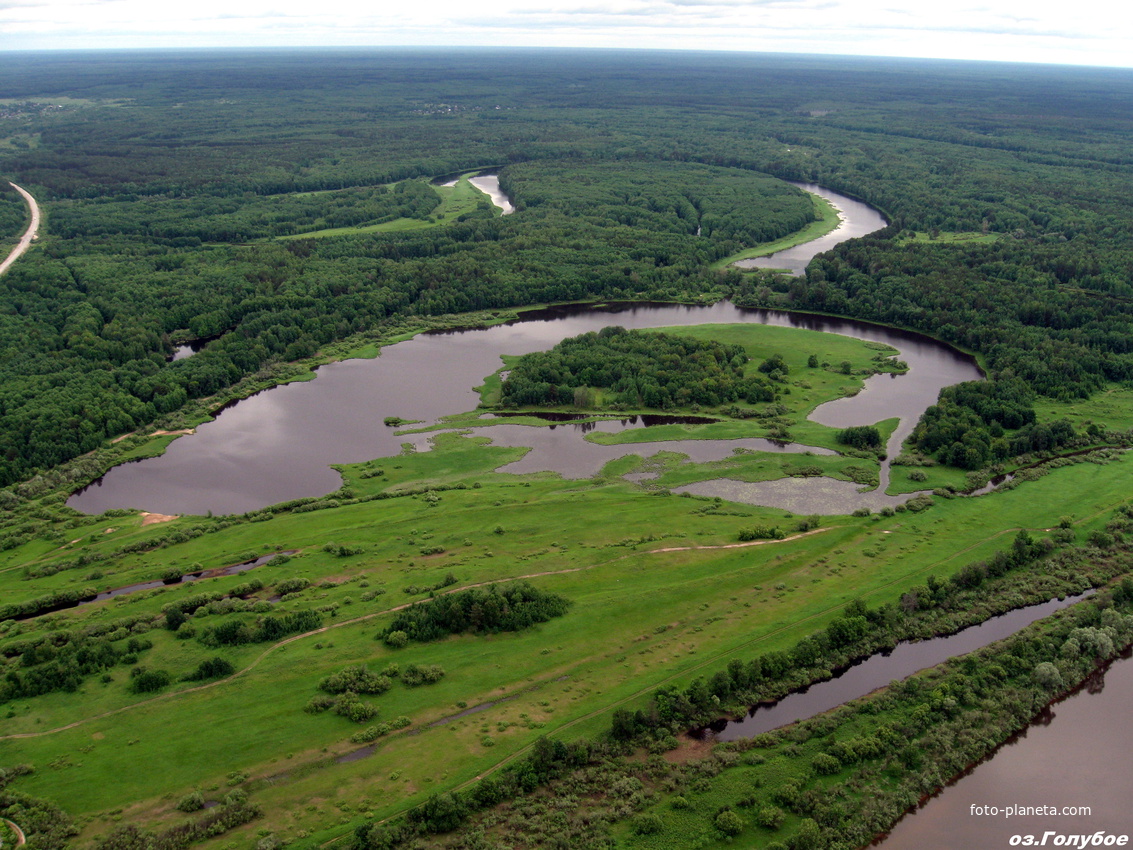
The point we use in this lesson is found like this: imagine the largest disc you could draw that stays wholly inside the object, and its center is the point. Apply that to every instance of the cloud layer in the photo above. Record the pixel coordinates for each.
(1037, 32)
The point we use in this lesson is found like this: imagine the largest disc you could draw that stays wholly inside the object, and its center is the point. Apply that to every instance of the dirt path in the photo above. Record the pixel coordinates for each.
(21, 839)
(29, 234)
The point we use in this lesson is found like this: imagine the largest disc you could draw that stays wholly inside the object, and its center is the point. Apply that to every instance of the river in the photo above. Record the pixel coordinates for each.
(855, 219)
(279, 444)
(489, 184)
(882, 668)
(1075, 753)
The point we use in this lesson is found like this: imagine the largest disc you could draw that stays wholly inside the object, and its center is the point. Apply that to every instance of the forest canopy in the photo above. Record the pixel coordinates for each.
(639, 368)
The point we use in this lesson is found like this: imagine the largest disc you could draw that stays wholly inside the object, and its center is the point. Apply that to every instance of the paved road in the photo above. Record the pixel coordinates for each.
(29, 235)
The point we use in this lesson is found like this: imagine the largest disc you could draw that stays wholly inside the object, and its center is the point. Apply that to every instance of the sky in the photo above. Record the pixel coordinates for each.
(1091, 32)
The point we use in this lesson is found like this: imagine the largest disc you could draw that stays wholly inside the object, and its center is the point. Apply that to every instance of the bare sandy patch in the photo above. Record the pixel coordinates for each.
(153, 519)
(178, 433)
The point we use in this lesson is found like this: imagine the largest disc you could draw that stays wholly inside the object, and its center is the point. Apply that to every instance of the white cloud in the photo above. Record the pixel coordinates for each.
(971, 29)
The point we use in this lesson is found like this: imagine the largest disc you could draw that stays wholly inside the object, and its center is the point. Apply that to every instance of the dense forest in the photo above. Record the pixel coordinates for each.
(13, 214)
(640, 369)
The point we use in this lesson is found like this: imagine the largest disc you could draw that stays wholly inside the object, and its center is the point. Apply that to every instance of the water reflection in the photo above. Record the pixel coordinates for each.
(562, 448)
(280, 444)
(489, 184)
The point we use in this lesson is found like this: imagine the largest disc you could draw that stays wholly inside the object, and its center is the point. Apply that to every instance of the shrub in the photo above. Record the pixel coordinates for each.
(396, 639)
(191, 802)
(826, 765)
(349, 706)
(211, 668)
(357, 679)
(291, 585)
(729, 823)
(412, 675)
(319, 704)
(918, 503)
(761, 532)
(370, 733)
(770, 817)
(646, 824)
(144, 681)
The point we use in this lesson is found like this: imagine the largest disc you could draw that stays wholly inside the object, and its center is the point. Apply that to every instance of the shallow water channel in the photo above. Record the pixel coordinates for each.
(879, 670)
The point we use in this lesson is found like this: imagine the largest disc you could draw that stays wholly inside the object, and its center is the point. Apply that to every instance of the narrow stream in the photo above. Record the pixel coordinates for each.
(879, 670)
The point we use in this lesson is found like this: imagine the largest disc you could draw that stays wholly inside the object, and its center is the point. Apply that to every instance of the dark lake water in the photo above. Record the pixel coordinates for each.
(188, 349)
(1075, 753)
(279, 444)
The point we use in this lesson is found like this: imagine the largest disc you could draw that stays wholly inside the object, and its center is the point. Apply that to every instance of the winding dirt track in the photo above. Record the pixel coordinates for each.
(29, 234)
(21, 840)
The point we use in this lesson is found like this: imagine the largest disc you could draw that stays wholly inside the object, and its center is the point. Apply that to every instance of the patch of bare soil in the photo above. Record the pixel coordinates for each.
(153, 519)
(690, 749)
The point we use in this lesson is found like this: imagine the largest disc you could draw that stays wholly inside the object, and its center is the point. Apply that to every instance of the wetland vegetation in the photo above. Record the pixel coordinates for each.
(436, 651)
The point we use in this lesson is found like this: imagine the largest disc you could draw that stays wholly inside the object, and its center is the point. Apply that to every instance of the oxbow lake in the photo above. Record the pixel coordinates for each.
(279, 444)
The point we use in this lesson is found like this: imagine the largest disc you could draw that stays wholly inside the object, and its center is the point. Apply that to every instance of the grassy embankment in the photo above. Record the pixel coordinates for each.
(826, 220)
(640, 619)
(454, 201)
